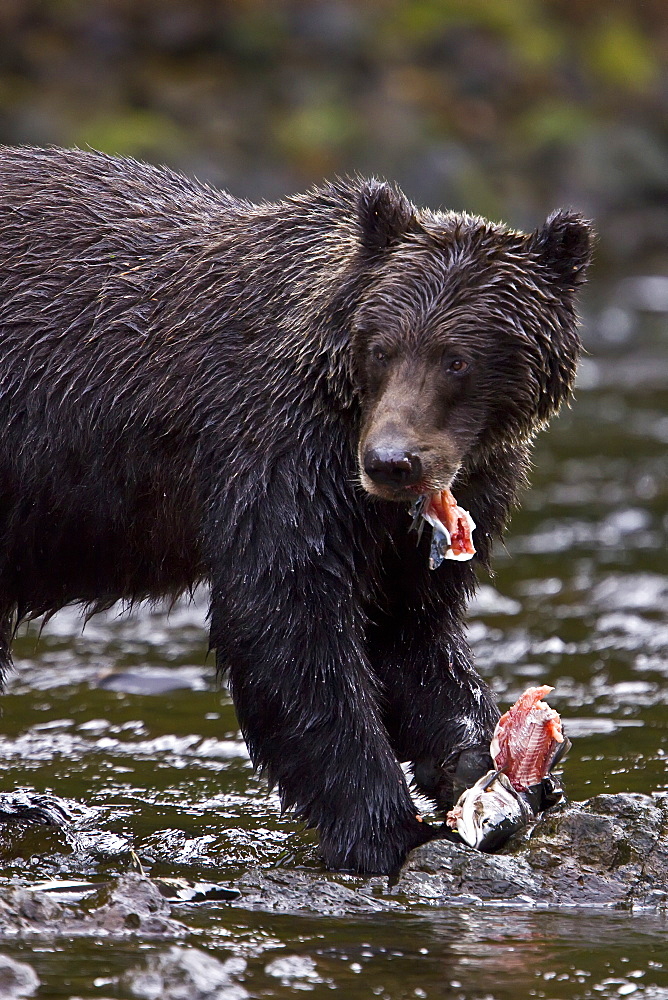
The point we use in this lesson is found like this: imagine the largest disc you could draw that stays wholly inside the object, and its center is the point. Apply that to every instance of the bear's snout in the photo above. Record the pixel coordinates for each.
(390, 466)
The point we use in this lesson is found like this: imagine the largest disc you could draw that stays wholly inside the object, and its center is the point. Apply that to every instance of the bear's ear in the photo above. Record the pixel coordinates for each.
(385, 215)
(564, 247)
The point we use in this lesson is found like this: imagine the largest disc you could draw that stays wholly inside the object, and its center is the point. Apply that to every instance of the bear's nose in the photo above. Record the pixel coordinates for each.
(392, 467)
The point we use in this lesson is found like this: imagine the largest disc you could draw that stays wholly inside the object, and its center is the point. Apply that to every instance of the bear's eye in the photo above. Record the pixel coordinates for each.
(379, 354)
(457, 365)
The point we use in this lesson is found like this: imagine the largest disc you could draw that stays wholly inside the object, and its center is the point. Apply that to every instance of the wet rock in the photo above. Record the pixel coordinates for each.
(21, 911)
(132, 904)
(442, 872)
(289, 891)
(610, 850)
(186, 974)
(17, 979)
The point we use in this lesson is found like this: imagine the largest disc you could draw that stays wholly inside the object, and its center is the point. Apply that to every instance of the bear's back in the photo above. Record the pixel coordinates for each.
(58, 188)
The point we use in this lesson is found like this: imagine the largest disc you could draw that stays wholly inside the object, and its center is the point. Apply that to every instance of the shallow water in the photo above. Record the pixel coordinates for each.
(162, 776)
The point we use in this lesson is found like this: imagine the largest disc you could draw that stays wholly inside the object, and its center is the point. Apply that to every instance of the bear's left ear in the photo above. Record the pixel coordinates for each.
(564, 247)
(385, 215)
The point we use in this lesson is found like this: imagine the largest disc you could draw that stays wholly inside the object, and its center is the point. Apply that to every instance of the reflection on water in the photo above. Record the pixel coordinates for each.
(156, 768)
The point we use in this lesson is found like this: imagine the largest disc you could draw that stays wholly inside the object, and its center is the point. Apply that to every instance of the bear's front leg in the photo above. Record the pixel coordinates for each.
(439, 713)
(291, 642)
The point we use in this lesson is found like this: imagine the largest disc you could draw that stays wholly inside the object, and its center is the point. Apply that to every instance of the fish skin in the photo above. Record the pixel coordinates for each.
(489, 812)
(526, 739)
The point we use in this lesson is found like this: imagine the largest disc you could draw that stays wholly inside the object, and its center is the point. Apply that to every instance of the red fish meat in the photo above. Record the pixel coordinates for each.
(526, 739)
(458, 522)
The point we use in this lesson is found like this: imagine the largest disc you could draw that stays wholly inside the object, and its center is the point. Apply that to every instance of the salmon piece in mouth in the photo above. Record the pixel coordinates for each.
(452, 527)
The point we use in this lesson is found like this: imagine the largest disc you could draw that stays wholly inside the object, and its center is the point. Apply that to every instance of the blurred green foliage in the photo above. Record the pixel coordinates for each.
(506, 108)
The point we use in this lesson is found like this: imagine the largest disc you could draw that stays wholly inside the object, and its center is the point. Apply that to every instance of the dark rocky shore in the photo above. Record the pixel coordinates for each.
(610, 851)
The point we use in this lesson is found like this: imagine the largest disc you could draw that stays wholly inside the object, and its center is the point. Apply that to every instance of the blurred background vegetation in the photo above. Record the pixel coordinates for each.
(506, 108)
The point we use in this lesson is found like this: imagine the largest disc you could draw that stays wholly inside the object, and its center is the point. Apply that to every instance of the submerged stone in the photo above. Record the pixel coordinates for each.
(17, 979)
(186, 974)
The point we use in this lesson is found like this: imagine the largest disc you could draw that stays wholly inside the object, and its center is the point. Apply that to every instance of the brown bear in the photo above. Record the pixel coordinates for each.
(196, 388)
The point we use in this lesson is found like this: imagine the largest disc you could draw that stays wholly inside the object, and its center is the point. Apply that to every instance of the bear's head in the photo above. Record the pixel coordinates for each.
(464, 341)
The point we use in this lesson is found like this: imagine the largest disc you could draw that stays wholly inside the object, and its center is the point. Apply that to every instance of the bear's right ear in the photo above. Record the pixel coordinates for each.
(385, 215)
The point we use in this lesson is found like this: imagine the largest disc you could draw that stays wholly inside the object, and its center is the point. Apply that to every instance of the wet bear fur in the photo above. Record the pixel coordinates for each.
(185, 383)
